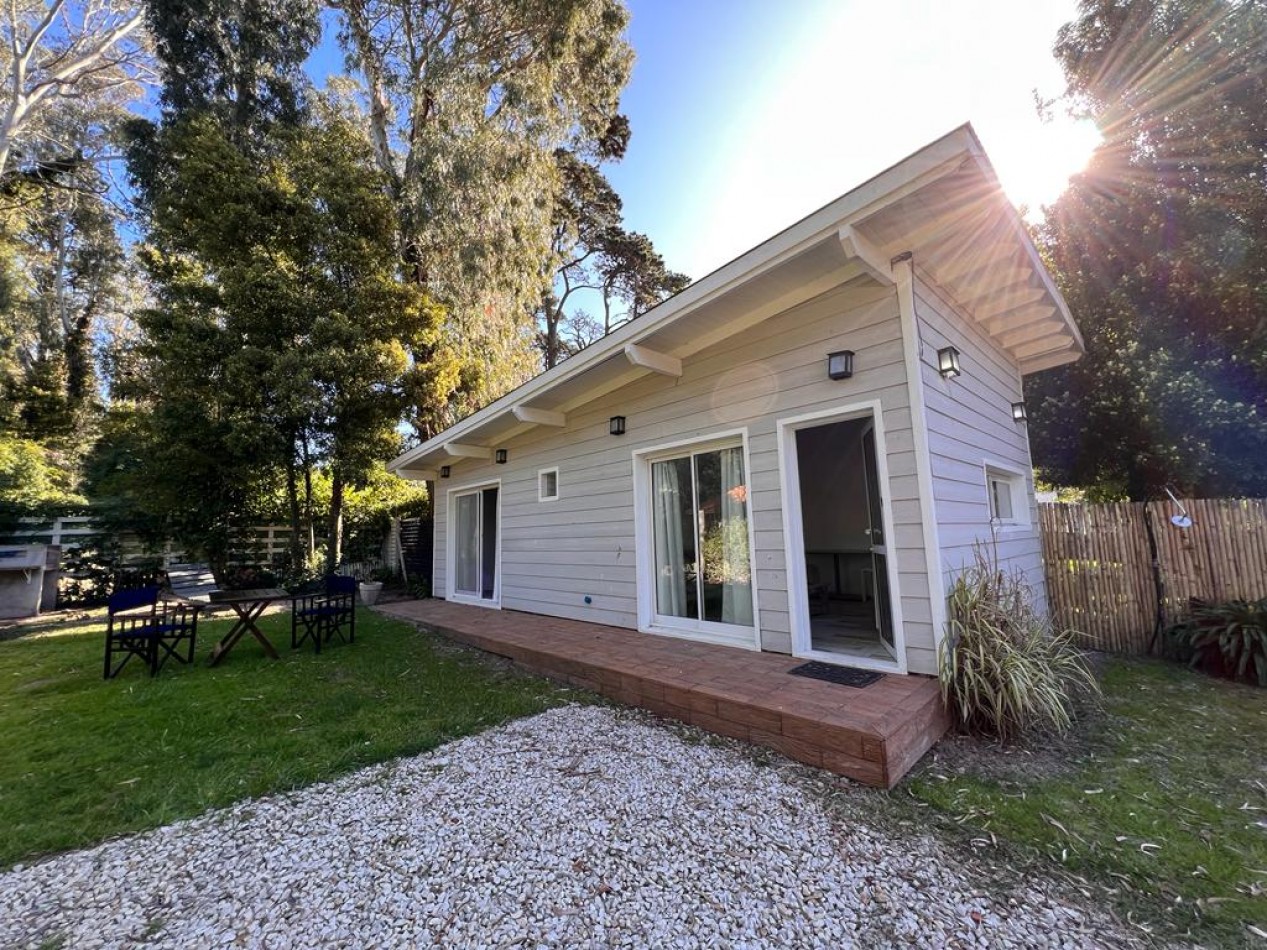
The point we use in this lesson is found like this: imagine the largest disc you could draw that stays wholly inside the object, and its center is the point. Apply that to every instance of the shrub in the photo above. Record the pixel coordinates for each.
(1227, 639)
(1004, 669)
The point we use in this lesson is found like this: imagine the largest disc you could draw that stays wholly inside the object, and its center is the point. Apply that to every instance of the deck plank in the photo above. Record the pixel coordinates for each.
(872, 735)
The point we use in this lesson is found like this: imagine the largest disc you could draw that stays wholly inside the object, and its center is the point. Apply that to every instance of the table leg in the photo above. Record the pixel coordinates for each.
(247, 615)
(249, 622)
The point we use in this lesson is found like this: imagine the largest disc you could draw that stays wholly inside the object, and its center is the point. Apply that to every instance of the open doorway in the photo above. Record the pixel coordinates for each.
(846, 611)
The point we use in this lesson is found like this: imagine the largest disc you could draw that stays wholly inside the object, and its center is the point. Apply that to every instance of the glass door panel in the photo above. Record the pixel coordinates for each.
(466, 575)
(672, 513)
(879, 550)
(475, 544)
(699, 510)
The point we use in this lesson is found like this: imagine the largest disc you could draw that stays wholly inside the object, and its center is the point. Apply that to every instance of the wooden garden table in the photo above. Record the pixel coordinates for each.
(248, 605)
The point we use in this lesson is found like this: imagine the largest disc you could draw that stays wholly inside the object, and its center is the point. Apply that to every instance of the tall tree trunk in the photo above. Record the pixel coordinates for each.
(292, 498)
(334, 549)
(307, 457)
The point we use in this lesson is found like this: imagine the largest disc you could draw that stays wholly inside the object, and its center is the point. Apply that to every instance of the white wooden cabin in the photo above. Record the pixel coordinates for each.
(698, 473)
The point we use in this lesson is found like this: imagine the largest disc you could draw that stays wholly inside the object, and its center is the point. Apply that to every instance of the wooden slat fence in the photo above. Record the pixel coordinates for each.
(1101, 580)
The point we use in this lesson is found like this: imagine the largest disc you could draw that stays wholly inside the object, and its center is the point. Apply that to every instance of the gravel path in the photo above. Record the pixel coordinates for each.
(580, 827)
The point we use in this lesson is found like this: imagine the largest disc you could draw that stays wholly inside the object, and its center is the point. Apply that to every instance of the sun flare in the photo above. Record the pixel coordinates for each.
(1036, 167)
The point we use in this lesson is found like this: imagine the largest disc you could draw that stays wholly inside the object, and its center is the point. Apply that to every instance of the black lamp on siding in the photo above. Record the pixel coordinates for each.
(616, 425)
(1018, 411)
(501, 456)
(948, 362)
(444, 471)
(840, 364)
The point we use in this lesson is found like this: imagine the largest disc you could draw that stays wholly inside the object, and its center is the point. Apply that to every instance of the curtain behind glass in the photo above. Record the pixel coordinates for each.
(737, 588)
(467, 568)
(669, 503)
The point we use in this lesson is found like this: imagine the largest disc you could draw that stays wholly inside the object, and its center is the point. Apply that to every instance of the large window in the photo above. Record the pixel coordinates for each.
(699, 511)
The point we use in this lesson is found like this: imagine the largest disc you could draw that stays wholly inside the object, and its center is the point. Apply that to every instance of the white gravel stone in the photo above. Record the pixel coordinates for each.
(580, 827)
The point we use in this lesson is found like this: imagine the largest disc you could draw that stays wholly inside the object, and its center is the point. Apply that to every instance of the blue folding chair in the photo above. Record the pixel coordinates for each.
(325, 613)
(138, 624)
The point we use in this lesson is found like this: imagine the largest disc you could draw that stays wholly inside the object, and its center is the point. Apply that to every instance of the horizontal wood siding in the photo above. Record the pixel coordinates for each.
(969, 424)
(554, 554)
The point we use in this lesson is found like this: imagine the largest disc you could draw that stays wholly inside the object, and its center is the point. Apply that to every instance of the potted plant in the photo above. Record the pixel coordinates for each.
(371, 586)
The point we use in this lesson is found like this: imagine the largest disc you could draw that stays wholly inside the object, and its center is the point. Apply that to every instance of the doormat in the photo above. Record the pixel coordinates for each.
(830, 673)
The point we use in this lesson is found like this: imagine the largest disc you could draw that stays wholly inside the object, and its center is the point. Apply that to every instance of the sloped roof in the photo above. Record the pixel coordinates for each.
(944, 204)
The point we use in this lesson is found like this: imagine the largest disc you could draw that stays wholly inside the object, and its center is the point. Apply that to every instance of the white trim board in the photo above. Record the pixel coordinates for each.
(794, 534)
(904, 272)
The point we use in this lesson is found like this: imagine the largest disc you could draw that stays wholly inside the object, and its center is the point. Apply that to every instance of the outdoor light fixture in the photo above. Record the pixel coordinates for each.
(840, 364)
(948, 362)
(444, 471)
(501, 456)
(1018, 411)
(616, 425)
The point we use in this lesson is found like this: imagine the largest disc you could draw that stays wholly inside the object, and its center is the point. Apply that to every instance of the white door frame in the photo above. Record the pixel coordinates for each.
(644, 546)
(794, 534)
(450, 560)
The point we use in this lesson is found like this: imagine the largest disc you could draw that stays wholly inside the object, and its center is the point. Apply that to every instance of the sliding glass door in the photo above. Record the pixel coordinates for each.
(702, 565)
(475, 544)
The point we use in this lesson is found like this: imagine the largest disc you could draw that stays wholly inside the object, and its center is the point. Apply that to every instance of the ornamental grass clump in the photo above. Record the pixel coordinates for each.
(1225, 639)
(1005, 670)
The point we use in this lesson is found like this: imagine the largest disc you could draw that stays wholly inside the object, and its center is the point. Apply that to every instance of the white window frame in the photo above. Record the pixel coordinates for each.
(450, 560)
(705, 631)
(1017, 482)
(541, 473)
(794, 535)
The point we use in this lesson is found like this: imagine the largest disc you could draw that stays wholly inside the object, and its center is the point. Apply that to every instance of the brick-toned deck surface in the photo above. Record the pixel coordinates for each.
(873, 735)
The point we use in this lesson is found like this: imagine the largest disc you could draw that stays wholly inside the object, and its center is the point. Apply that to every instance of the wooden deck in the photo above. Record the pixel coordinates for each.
(874, 734)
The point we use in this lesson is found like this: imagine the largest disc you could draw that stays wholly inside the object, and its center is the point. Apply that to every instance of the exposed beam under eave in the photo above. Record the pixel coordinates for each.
(1017, 318)
(1028, 330)
(1005, 301)
(460, 450)
(417, 474)
(869, 257)
(1055, 337)
(540, 417)
(661, 363)
(1050, 360)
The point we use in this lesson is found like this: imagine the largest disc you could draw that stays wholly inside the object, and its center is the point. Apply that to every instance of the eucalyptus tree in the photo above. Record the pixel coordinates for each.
(468, 101)
(52, 51)
(1160, 247)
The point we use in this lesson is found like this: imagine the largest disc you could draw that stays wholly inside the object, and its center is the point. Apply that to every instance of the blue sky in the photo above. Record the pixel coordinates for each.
(749, 114)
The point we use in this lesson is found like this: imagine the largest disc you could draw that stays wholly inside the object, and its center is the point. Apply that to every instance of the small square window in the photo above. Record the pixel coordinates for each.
(1001, 499)
(1006, 493)
(548, 484)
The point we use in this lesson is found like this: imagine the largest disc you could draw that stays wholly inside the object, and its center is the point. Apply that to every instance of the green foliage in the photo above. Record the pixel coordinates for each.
(1005, 671)
(282, 322)
(32, 482)
(87, 759)
(467, 104)
(1227, 639)
(1160, 249)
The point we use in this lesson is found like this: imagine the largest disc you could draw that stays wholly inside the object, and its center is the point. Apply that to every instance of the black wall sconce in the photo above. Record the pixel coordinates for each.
(500, 456)
(840, 364)
(948, 362)
(1018, 411)
(616, 425)
(444, 471)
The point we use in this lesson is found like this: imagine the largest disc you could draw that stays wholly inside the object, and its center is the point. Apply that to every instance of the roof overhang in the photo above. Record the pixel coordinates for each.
(943, 204)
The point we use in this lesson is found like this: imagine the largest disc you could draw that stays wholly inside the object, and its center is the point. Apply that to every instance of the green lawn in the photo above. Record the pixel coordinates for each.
(82, 759)
(1163, 802)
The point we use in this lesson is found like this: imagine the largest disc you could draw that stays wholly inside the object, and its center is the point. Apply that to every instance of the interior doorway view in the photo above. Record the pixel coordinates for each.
(845, 541)
(475, 554)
